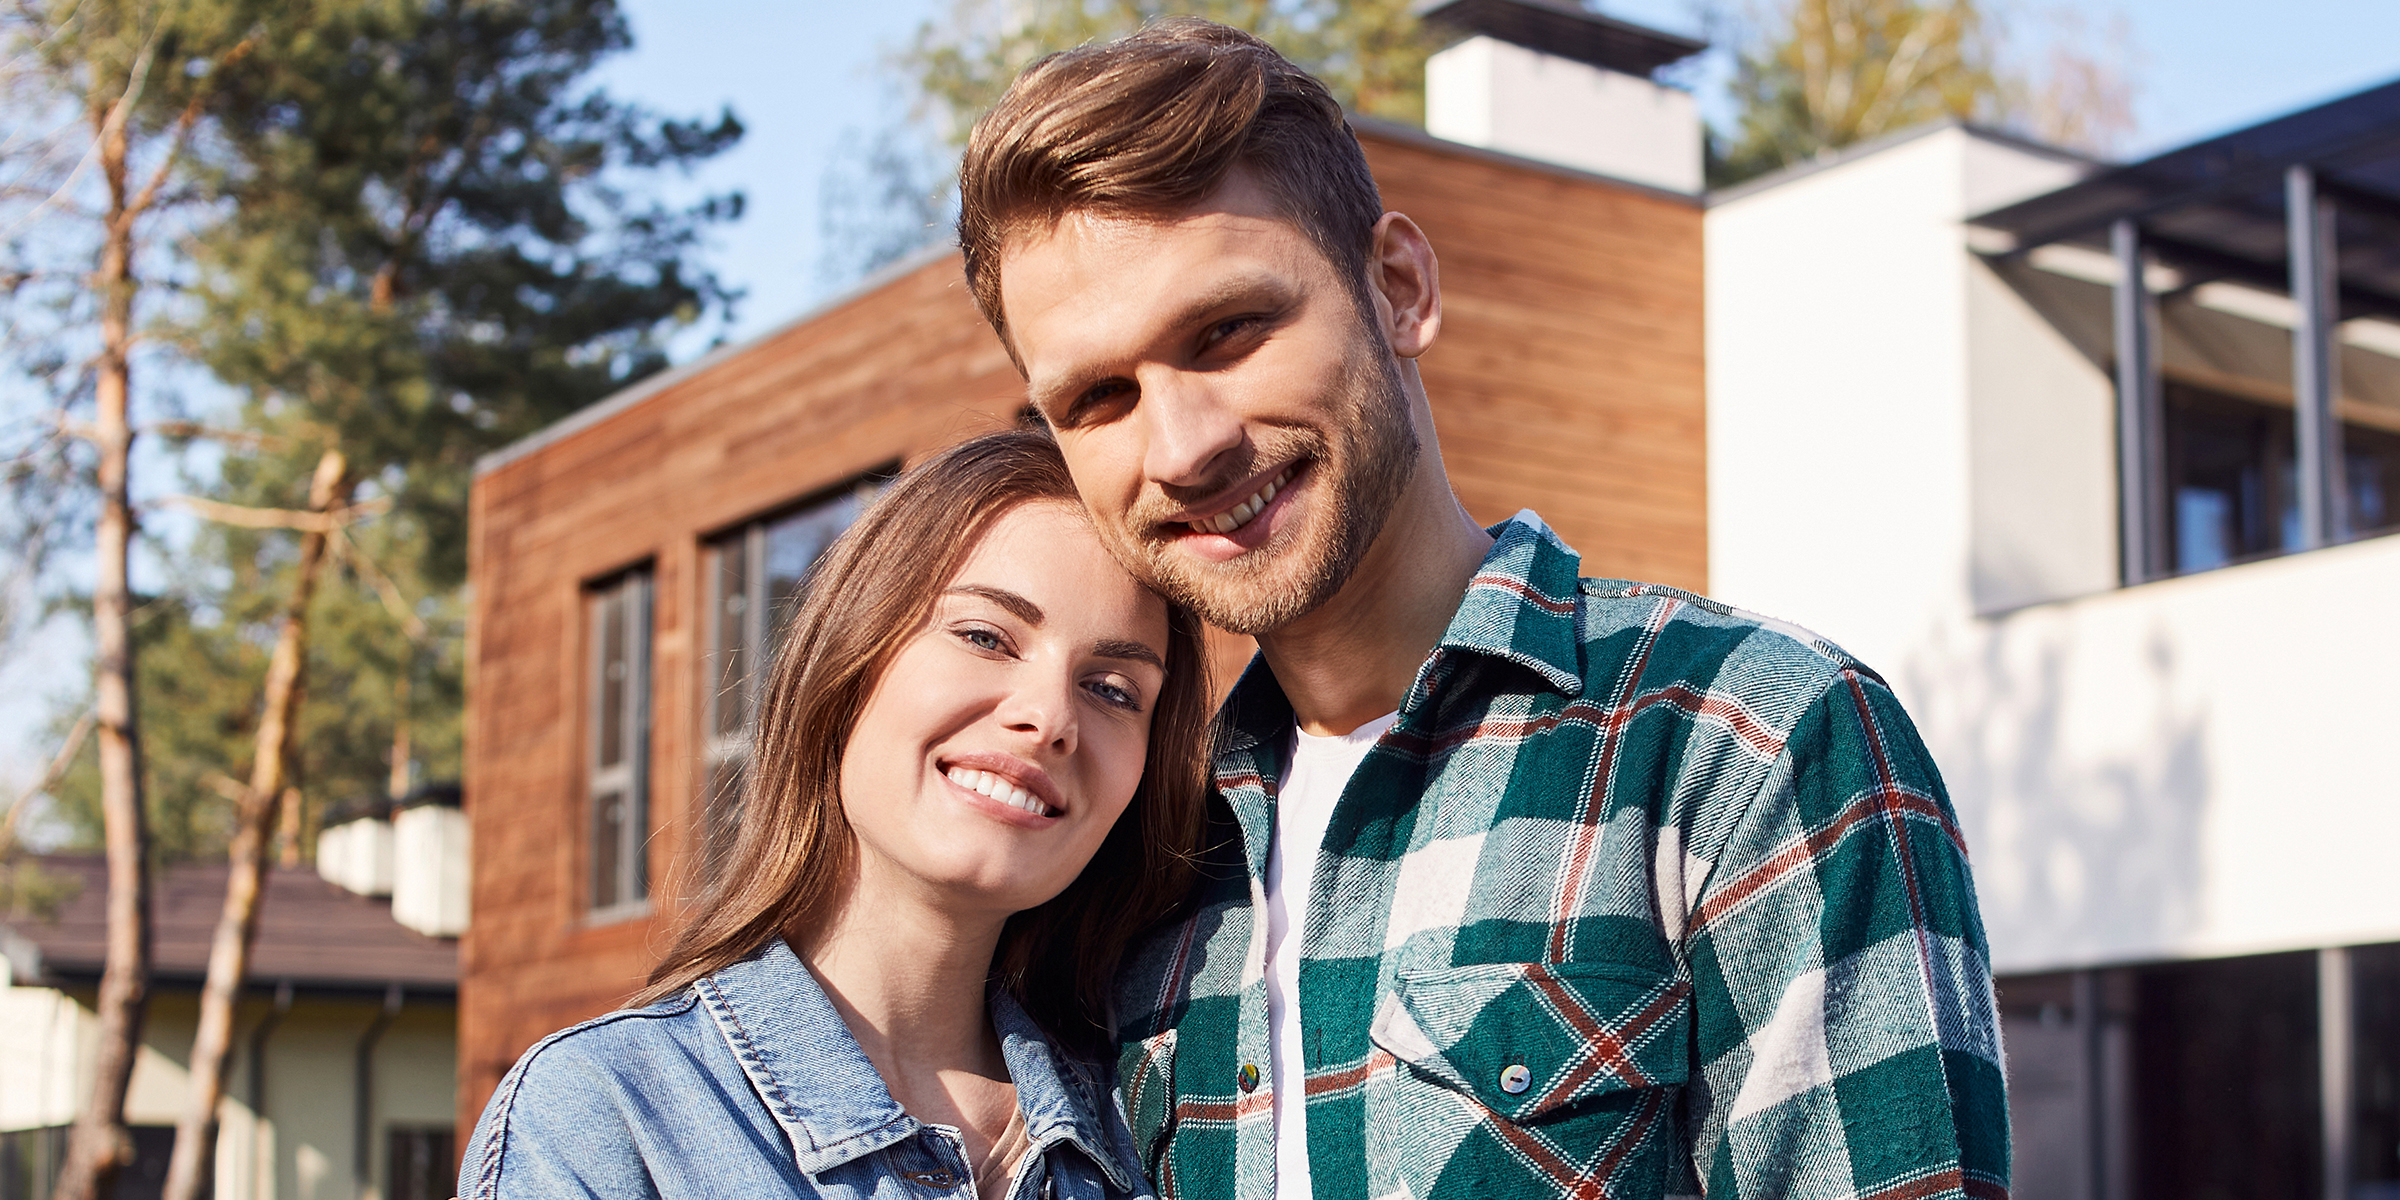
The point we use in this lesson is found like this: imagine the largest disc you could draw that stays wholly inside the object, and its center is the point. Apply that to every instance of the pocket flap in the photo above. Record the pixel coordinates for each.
(1528, 1038)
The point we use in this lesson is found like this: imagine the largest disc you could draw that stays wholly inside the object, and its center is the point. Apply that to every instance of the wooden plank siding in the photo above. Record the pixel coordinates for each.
(1567, 379)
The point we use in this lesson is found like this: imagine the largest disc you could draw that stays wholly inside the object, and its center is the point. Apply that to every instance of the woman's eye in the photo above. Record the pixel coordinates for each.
(983, 639)
(1116, 694)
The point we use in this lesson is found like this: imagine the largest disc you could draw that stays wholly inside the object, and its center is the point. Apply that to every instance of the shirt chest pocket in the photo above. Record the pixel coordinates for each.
(1534, 1041)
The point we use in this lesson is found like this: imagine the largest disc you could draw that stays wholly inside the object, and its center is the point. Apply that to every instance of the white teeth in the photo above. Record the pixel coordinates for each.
(987, 784)
(1240, 514)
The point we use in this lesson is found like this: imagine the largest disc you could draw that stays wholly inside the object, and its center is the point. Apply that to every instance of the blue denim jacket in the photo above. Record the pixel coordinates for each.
(749, 1084)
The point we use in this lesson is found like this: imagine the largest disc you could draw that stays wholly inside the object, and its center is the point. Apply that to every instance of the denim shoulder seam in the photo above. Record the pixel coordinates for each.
(504, 1101)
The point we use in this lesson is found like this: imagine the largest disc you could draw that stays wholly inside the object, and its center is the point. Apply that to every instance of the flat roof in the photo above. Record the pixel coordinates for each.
(2215, 208)
(1564, 29)
(311, 934)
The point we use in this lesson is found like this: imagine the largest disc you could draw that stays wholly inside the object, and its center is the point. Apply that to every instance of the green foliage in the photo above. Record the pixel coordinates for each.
(1838, 72)
(429, 239)
(27, 892)
(433, 248)
(1370, 52)
(1816, 75)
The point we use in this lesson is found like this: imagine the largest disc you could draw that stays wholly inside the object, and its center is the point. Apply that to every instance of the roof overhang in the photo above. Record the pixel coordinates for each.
(1565, 30)
(2214, 210)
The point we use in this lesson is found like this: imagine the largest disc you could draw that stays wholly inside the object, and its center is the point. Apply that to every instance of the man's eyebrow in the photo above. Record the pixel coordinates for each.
(1130, 651)
(1259, 287)
(1018, 606)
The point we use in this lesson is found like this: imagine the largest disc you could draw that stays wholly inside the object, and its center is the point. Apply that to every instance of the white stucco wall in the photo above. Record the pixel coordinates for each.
(1904, 457)
(1502, 96)
(302, 1150)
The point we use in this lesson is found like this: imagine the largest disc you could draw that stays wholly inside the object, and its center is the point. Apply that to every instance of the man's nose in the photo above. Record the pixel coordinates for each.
(1192, 428)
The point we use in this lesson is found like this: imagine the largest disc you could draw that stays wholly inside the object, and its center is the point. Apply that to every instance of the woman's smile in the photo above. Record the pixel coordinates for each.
(1010, 731)
(1020, 786)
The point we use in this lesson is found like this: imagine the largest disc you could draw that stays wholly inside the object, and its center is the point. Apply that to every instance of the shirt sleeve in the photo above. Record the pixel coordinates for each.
(1845, 1025)
(555, 1128)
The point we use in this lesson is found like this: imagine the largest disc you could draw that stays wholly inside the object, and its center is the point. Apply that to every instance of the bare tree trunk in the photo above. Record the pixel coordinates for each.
(189, 1172)
(403, 750)
(99, 1144)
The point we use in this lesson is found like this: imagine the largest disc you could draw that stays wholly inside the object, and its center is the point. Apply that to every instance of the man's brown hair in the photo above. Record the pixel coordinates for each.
(1151, 123)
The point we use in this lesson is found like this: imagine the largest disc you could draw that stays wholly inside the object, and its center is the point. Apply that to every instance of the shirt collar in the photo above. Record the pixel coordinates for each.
(820, 1087)
(1520, 607)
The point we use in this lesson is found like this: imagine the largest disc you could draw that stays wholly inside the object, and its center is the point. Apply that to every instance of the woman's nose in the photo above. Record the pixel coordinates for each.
(1043, 708)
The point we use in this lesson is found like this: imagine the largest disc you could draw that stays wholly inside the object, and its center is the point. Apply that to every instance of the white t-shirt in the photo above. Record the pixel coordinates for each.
(1320, 768)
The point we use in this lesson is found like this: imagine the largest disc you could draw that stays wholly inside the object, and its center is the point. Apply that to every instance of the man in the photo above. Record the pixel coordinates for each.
(1531, 885)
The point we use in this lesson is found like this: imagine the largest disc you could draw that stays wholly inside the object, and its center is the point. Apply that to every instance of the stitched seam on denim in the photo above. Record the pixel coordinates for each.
(737, 1038)
(487, 1184)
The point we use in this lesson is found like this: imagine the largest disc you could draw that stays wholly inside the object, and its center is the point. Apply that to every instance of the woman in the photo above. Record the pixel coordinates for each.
(978, 771)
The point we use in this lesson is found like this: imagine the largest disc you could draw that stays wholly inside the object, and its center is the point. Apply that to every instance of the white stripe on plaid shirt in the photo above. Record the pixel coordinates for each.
(1683, 876)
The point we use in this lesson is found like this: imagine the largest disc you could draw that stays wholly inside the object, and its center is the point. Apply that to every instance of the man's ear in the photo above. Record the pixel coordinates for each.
(1406, 284)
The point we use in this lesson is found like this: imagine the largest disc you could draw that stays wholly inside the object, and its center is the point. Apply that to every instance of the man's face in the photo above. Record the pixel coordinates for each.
(1236, 425)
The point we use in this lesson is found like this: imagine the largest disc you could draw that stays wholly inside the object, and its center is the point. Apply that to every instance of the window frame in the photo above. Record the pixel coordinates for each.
(725, 753)
(626, 893)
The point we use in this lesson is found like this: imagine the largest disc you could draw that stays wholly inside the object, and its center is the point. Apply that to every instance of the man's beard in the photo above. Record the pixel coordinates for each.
(1357, 470)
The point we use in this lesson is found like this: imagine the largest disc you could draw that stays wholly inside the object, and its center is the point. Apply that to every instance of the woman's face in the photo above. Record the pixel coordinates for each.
(1010, 731)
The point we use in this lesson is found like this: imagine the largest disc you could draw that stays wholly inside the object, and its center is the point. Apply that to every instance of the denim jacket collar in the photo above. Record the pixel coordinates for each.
(819, 1085)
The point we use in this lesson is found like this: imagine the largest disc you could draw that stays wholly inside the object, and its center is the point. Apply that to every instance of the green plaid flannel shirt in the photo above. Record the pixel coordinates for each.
(1641, 897)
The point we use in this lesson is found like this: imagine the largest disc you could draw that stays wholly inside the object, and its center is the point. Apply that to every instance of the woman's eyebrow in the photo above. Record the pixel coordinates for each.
(1132, 651)
(1018, 606)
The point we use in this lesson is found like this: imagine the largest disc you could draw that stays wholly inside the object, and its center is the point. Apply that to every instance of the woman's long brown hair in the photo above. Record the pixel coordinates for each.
(869, 596)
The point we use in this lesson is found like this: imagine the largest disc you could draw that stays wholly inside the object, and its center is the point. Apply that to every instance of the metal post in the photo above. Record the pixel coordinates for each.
(2316, 360)
(2091, 1026)
(362, 1109)
(2141, 458)
(2333, 1067)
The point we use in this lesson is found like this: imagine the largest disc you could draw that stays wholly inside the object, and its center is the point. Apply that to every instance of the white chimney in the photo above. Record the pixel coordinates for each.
(1547, 79)
(355, 852)
(430, 859)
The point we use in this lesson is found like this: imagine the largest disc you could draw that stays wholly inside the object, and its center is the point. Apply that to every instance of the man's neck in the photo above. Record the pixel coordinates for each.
(1351, 659)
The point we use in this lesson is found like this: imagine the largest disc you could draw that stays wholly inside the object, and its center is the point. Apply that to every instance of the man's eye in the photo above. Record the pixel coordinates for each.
(1227, 329)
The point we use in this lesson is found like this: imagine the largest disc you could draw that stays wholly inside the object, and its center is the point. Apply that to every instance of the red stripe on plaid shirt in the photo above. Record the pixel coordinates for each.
(1518, 587)
(1737, 718)
(1604, 1048)
(1814, 844)
(1349, 1075)
(1592, 809)
(1581, 1182)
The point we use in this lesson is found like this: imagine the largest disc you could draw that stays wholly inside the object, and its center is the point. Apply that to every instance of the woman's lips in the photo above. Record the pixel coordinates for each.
(1006, 780)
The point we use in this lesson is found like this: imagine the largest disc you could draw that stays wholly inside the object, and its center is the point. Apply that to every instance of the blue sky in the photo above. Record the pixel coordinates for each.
(802, 74)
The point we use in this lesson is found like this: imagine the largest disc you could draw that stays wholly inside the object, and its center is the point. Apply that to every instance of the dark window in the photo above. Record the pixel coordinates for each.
(2231, 480)
(2225, 1079)
(755, 575)
(2199, 1079)
(29, 1162)
(2375, 1074)
(422, 1165)
(618, 616)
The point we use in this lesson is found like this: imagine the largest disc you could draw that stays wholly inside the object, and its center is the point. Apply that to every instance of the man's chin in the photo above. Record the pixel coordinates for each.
(1242, 596)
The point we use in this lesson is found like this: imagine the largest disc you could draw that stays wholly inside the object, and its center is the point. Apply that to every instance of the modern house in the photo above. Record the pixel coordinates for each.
(2097, 464)
(343, 1083)
(2048, 442)
(629, 563)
